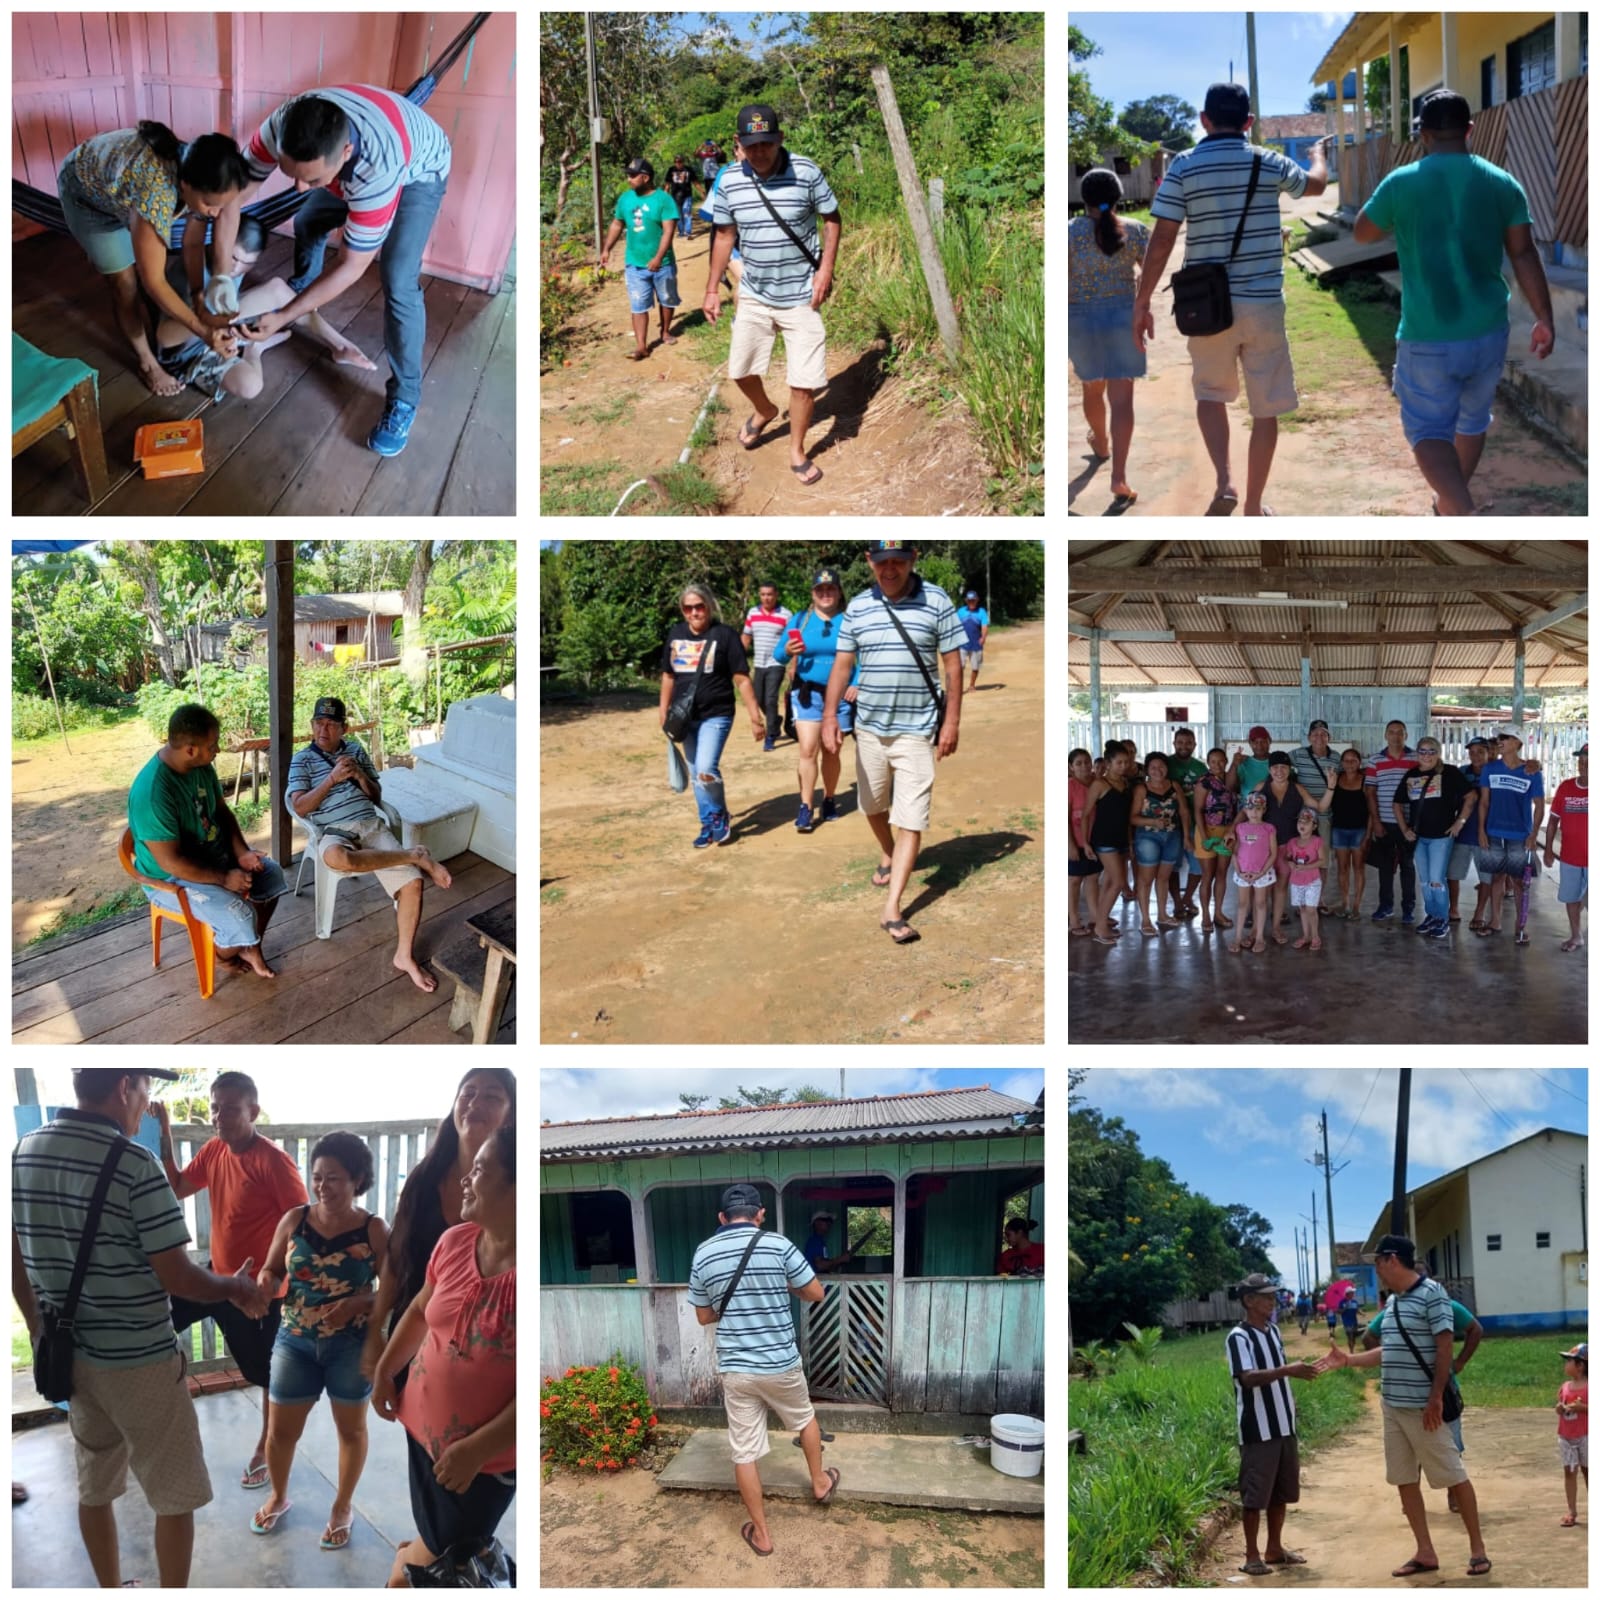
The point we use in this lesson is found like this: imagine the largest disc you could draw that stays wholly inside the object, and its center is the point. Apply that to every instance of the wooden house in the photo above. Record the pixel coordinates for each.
(327, 627)
(928, 1326)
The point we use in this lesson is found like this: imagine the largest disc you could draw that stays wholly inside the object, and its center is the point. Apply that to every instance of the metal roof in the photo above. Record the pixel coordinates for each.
(929, 1114)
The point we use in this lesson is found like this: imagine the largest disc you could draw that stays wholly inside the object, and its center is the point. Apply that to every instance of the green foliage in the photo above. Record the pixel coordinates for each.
(94, 639)
(1164, 118)
(103, 908)
(1092, 129)
(33, 716)
(595, 1418)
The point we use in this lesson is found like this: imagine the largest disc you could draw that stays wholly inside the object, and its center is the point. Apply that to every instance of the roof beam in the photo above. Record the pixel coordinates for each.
(1148, 559)
(1548, 619)
(1491, 598)
(1396, 578)
(1197, 636)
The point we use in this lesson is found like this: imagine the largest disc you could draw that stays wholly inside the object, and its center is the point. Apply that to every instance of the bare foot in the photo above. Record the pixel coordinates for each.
(434, 870)
(159, 381)
(252, 958)
(425, 981)
(348, 355)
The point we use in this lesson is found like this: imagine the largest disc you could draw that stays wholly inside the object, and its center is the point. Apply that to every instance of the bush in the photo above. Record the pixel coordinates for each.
(598, 1418)
(33, 717)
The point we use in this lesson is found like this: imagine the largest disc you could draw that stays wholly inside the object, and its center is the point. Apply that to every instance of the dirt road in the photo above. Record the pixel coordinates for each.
(775, 938)
(1341, 453)
(879, 454)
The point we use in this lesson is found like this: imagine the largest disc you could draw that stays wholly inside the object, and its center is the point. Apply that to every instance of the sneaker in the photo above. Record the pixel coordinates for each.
(721, 828)
(1440, 930)
(394, 428)
(769, 745)
(802, 823)
(830, 809)
(1409, 919)
(1426, 925)
(704, 836)
(1383, 913)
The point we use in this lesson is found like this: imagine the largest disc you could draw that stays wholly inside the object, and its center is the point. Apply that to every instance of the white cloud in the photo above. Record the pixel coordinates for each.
(1247, 1130)
(1151, 1088)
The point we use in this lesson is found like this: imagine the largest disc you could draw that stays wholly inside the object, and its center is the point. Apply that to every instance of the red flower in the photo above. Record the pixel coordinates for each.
(652, 1421)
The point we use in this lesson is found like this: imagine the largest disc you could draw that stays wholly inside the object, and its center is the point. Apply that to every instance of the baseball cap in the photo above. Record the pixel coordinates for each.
(740, 1196)
(826, 575)
(972, 594)
(1256, 798)
(758, 125)
(1583, 749)
(1480, 740)
(638, 165)
(1279, 758)
(1445, 111)
(1510, 734)
(149, 1072)
(817, 1216)
(1256, 1283)
(1319, 723)
(329, 706)
(1258, 732)
(1579, 1352)
(898, 549)
(1399, 1246)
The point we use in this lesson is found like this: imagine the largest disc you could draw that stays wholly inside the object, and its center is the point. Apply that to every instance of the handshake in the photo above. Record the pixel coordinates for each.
(251, 1297)
(1333, 1359)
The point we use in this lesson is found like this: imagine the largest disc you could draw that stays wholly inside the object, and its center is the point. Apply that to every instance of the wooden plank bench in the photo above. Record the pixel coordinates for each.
(465, 961)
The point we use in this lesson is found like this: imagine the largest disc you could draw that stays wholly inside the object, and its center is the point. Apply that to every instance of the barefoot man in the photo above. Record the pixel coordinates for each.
(334, 786)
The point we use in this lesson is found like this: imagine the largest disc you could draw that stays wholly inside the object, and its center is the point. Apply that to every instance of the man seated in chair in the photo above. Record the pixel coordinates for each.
(184, 832)
(334, 786)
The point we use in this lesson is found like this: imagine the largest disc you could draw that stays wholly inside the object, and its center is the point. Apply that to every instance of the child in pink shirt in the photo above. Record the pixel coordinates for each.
(1255, 849)
(1301, 858)
(1572, 1431)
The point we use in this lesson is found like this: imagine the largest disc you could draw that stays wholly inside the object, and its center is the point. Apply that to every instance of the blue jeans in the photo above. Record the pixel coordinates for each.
(1447, 387)
(686, 218)
(703, 743)
(1433, 862)
(405, 327)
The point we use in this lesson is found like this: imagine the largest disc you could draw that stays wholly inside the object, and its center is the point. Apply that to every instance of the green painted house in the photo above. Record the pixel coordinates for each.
(919, 1321)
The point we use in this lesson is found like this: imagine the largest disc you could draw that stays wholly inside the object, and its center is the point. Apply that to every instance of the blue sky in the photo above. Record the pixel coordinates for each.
(738, 23)
(1242, 1135)
(1152, 53)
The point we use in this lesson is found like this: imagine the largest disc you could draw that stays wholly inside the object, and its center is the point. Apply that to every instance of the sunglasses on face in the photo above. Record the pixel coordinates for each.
(694, 608)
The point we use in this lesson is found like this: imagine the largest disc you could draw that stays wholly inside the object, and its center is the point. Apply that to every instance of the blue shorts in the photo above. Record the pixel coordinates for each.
(303, 1367)
(1151, 849)
(104, 235)
(1100, 341)
(231, 917)
(1349, 838)
(1574, 885)
(1447, 388)
(813, 713)
(647, 288)
(1501, 856)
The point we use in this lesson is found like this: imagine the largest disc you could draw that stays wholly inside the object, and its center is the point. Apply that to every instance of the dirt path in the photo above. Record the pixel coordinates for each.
(775, 938)
(1352, 1532)
(1344, 456)
(878, 453)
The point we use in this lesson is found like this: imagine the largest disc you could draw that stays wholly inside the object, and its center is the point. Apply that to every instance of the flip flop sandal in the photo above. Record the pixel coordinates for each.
(1411, 1568)
(1124, 499)
(833, 1472)
(1289, 1558)
(900, 922)
(1151, 933)
(1316, 944)
(747, 1533)
(1099, 940)
(1079, 933)
(1569, 1521)
(880, 878)
(810, 466)
(330, 1539)
(273, 1518)
(751, 440)
(1222, 505)
(254, 1477)
(1257, 1569)
(1478, 1566)
(1522, 936)
(1094, 450)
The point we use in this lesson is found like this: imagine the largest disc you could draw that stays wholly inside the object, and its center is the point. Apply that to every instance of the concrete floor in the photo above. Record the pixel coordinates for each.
(48, 1553)
(1371, 983)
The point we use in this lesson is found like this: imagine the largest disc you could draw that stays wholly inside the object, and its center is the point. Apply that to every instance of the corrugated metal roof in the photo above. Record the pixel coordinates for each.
(930, 1114)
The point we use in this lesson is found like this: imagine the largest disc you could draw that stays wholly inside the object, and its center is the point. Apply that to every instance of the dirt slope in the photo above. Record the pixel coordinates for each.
(774, 937)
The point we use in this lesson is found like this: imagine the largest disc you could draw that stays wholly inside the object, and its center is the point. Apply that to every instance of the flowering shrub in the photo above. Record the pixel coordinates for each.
(597, 1418)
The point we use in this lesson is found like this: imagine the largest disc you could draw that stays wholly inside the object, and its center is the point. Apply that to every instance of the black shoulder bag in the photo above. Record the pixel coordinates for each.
(941, 701)
(738, 1273)
(814, 262)
(1452, 1402)
(53, 1353)
(680, 712)
(1201, 301)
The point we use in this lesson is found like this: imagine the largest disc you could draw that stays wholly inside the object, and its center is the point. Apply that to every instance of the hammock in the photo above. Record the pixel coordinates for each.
(37, 205)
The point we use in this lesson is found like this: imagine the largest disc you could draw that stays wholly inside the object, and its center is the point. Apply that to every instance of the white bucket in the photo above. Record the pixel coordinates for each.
(1016, 1445)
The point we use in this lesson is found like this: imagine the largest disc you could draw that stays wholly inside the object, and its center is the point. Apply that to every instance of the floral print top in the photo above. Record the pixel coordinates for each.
(121, 173)
(320, 1271)
(1092, 275)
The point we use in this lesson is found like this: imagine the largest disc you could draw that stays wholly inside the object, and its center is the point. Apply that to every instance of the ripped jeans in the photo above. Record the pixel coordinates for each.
(1432, 858)
(703, 743)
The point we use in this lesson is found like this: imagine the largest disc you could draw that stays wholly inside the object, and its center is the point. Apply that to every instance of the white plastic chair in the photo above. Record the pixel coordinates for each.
(325, 881)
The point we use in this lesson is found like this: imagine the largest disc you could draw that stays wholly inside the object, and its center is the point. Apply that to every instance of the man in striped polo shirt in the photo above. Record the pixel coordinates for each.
(377, 164)
(1206, 187)
(769, 206)
(899, 734)
(1269, 1452)
(764, 628)
(1389, 846)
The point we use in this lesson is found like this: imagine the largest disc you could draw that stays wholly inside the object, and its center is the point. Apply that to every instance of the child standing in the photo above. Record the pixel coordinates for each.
(1302, 856)
(1215, 806)
(1083, 865)
(1572, 1431)
(1255, 849)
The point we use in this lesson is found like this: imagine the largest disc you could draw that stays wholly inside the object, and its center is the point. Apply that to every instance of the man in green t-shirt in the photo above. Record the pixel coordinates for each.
(649, 218)
(184, 834)
(1452, 214)
(1183, 769)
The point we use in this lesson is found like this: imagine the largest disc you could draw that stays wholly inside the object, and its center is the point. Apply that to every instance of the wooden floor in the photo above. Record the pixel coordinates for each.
(101, 988)
(299, 448)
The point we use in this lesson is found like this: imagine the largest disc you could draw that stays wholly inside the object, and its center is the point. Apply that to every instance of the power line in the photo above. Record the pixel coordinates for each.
(1550, 1161)
(1357, 1123)
(1556, 1086)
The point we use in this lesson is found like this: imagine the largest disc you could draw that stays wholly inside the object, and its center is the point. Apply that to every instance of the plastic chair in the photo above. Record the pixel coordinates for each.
(200, 940)
(325, 881)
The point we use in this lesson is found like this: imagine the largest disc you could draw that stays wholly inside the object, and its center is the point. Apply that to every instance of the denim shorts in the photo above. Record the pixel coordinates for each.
(1574, 886)
(1447, 388)
(1100, 341)
(646, 288)
(104, 235)
(1151, 849)
(813, 713)
(1501, 856)
(303, 1367)
(1349, 838)
(229, 916)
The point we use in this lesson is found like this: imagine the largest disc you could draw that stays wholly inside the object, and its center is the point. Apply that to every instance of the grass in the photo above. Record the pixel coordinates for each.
(552, 897)
(1338, 331)
(101, 910)
(593, 488)
(22, 1349)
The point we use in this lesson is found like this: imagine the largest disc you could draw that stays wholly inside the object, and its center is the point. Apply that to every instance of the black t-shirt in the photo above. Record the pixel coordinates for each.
(680, 184)
(1432, 803)
(681, 657)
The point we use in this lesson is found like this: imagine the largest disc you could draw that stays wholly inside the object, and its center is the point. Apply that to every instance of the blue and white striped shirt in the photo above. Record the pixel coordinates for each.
(776, 271)
(346, 805)
(891, 693)
(756, 1333)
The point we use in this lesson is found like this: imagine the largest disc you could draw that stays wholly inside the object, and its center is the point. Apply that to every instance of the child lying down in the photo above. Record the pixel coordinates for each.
(190, 360)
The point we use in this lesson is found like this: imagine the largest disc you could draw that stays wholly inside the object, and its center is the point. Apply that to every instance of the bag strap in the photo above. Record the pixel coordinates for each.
(1399, 1322)
(97, 1205)
(744, 1261)
(1250, 194)
(927, 677)
(794, 238)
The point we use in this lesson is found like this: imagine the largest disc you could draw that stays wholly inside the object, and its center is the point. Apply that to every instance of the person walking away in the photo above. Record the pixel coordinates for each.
(756, 1354)
(1186, 772)
(1315, 769)
(250, 1182)
(1569, 814)
(1216, 805)
(1452, 215)
(1302, 1311)
(1331, 1311)
(1104, 257)
(771, 204)
(1465, 849)
(1572, 1407)
(1389, 848)
(976, 621)
(1264, 1417)
(1352, 823)
(1247, 772)
(1255, 849)
(649, 218)
(1415, 1357)
(1083, 867)
(1440, 803)
(1301, 858)
(680, 185)
(811, 644)
(131, 1407)
(1285, 799)
(1209, 189)
(1160, 821)
(765, 626)
(903, 726)
(704, 662)
(1509, 813)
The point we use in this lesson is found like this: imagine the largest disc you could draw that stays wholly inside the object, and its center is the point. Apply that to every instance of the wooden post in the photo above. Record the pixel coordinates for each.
(44, 656)
(438, 693)
(255, 776)
(279, 576)
(911, 194)
(936, 202)
(856, 151)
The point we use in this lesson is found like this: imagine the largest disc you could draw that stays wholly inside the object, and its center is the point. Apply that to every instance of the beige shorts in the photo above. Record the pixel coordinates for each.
(895, 774)
(805, 342)
(1409, 1449)
(373, 835)
(1257, 342)
(747, 1397)
(140, 1417)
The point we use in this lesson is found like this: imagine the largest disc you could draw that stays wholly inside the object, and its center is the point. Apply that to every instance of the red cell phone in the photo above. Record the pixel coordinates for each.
(796, 636)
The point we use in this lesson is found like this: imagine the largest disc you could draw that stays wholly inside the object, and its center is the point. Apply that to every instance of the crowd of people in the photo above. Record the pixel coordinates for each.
(313, 1293)
(1295, 830)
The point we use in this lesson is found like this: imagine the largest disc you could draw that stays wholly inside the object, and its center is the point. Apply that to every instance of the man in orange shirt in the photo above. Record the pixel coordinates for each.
(252, 1182)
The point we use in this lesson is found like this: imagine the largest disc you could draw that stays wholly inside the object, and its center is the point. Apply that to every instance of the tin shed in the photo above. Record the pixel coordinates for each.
(925, 1325)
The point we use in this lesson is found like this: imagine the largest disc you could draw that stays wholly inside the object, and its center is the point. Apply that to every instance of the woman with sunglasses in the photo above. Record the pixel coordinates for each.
(704, 663)
(812, 643)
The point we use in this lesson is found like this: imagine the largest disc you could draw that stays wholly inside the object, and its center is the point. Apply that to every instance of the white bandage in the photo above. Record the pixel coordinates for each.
(222, 296)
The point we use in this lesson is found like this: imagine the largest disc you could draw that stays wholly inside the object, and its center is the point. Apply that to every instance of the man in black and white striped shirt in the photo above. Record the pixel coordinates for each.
(1269, 1453)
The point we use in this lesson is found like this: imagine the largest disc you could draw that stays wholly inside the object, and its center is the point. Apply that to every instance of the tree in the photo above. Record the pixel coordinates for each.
(1250, 1234)
(1092, 131)
(1317, 100)
(1164, 118)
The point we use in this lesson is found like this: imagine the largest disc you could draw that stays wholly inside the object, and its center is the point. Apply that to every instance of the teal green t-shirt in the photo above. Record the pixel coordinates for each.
(181, 806)
(1253, 771)
(642, 215)
(1463, 1319)
(1449, 214)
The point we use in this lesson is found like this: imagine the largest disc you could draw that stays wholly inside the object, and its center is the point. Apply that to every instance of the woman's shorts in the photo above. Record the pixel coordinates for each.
(805, 342)
(1151, 849)
(813, 712)
(1501, 855)
(104, 235)
(1305, 894)
(444, 1518)
(1574, 885)
(230, 916)
(1264, 882)
(1259, 343)
(1349, 838)
(647, 288)
(303, 1367)
(1447, 387)
(1080, 868)
(1100, 341)
(1575, 1453)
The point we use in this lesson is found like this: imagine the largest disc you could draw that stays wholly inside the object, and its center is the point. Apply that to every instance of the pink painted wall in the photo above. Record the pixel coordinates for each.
(75, 74)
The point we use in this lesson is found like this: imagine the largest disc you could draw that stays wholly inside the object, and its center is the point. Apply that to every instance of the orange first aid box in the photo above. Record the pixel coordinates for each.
(170, 449)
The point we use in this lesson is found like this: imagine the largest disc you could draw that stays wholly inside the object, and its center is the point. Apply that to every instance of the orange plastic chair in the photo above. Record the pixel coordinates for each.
(200, 940)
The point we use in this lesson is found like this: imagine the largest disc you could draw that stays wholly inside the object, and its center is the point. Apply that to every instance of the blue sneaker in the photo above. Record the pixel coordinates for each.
(721, 828)
(1427, 925)
(704, 837)
(802, 823)
(1383, 914)
(1440, 930)
(769, 745)
(830, 809)
(390, 435)
(1409, 919)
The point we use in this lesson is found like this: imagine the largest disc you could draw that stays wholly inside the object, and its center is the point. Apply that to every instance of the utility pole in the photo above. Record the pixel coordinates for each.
(1397, 1206)
(596, 131)
(1316, 1260)
(1255, 87)
(1583, 1201)
(1321, 1160)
